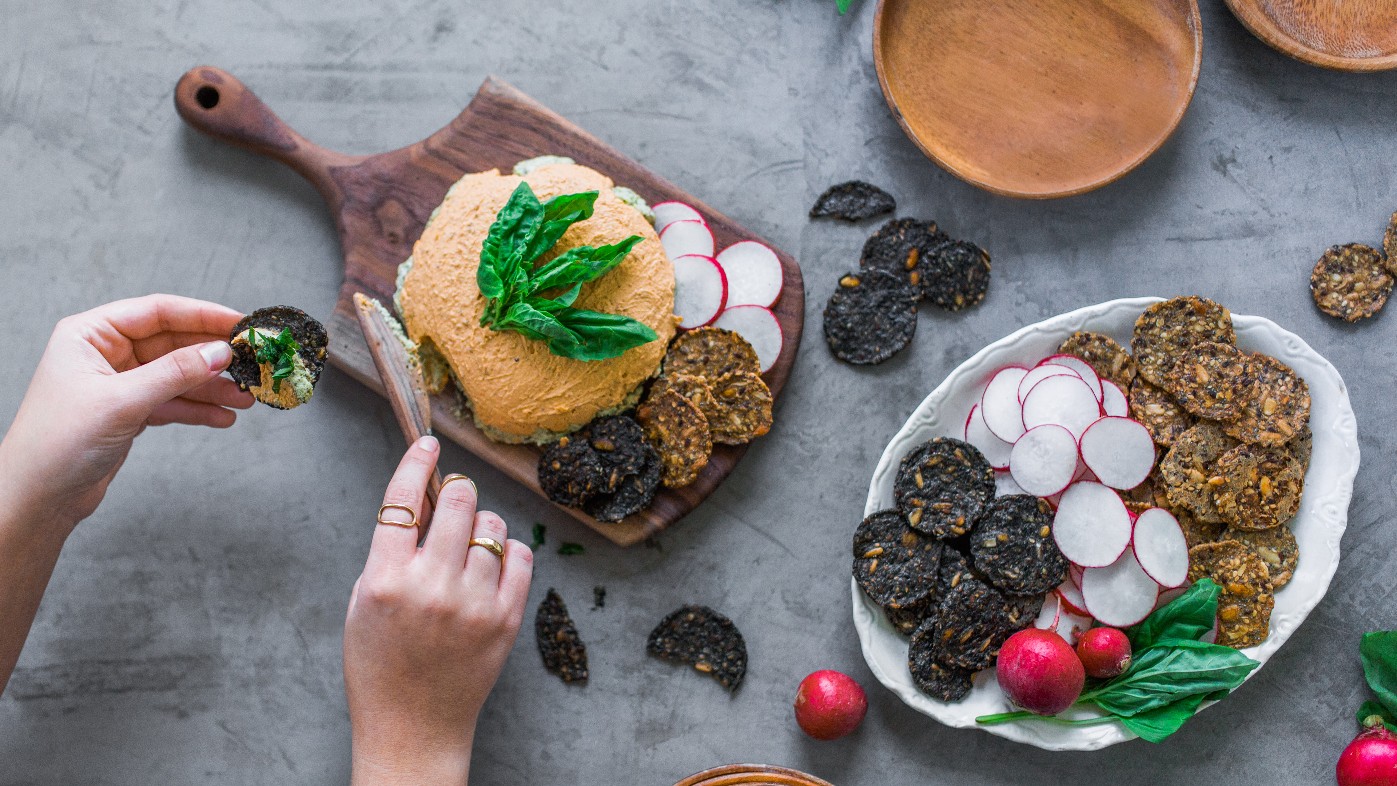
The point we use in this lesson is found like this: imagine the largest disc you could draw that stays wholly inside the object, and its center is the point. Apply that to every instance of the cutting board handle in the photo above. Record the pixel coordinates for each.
(213, 101)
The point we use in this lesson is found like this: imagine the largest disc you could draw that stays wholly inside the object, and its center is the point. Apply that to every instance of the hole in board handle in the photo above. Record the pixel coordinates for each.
(207, 97)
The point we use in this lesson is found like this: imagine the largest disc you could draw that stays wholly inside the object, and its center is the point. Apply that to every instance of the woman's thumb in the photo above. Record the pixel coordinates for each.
(176, 373)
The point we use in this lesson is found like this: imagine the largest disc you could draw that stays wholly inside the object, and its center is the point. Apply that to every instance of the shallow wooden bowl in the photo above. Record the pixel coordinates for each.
(1347, 35)
(1038, 98)
(751, 775)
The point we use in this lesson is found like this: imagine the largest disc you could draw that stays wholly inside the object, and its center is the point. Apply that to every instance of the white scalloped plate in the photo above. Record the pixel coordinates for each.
(1318, 526)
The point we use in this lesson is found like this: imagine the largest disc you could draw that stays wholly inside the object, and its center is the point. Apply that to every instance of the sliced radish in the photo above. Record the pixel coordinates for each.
(759, 326)
(1072, 598)
(700, 290)
(1039, 373)
(1005, 486)
(1113, 400)
(1119, 450)
(1167, 595)
(687, 237)
(667, 213)
(1062, 401)
(754, 273)
(1056, 616)
(1121, 593)
(996, 450)
(1092, 525)
(1074, 574)
(1160, 547)
(1044, 460)
(1000, 403)
(1083, 369)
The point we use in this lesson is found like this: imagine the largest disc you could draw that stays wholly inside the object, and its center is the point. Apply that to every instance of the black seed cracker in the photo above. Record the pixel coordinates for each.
(562, 649)
(620, 446)
(941, 682)
(905, 621)
(958, 275)
(942, 487)
(854, 200)
(894, 564)
(570, 472)
(305, 329)
(633, 493)
(971, 623)
(1012, 546)
(871, 316)
(903, 247)
(704, 639)
(1351, 282)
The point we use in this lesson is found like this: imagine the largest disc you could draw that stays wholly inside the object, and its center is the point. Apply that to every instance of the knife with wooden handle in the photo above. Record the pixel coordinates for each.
(406, 391)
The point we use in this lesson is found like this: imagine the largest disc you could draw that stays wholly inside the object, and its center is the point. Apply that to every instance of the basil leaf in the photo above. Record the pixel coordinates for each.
(1157, 724)
(1188, 616)
(503, 252)
(1379, 652)
(559, 213)
(842, 5)
(1371, 708)
(1170, 670)
(569, 297)
(581, 264)
(541, 324)
(602, 336)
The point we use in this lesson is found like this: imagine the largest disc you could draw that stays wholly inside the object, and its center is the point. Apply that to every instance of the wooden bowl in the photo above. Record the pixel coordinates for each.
(1038, 98)
(751, 775)
(1346, 35)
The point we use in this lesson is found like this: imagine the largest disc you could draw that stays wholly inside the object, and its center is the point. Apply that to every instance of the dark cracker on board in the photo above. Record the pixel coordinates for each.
(744, 408)
(903, 247)
(1158, 412)
(943, 485)
(1012, 546)
(1256, 487)
(935, 679)
(871, 316)
(633, 494)
(1166, 330)
(853, 200)
(1275, 546)
(679, 433)
(1279, 411)
(958, 276)
(1247, 596)
(309, 334)
(1212, 380)
(620, 445)
(704, 639)
(570, 472)
(895, 565)
(1351, 282)
(563, 651)
(1189, 467)
(1104, 354)
(710, 352)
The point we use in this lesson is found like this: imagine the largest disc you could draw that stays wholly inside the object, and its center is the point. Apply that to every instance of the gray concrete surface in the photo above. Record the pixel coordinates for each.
(192, 632)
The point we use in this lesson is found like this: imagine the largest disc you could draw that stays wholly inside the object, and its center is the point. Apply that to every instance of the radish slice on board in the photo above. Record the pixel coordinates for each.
(1119, 451)
(1005, 486)
(667, 213)
(1062, 401)
(1039, 373)
(1092, 526)
(754, 273)
(1044, 460)
(1113, 400)
(1072, 598)
(700, 290)
(687, 237)
(996, 450)
(1160, 547)
(759, 326)
(1120, 594)
(1083, 369)
(1000, 403)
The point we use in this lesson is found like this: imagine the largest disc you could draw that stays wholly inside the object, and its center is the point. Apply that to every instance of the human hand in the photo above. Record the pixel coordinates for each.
(106, 375)
(428, 630)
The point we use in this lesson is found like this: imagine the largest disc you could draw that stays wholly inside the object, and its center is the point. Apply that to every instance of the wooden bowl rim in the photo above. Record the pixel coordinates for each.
(732, 774)
(1195, 28)
(1265, 28)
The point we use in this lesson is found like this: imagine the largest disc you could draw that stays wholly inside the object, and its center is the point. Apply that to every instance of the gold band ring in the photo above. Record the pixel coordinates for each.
(489, 544)
(454, 477)
(395, 506)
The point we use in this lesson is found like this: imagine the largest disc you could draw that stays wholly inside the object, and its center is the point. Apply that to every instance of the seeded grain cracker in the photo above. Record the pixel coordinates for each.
(1166, 330)
(1212, 380)
(1280, 410)
(1157, 411)
(1256, 487)
(1351, 282)
(679, 433)
(1247, 596)
(1104, 354)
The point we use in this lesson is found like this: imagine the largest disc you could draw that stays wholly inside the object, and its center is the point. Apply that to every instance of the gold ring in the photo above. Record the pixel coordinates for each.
(489, 544)
(395, 506)
(456, 476)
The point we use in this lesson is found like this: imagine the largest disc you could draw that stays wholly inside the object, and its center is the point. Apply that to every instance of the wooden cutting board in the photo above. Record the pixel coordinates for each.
(380, 204)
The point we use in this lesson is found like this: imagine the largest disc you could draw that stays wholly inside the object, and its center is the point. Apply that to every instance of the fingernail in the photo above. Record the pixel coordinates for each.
(429, 443)
(217, 354)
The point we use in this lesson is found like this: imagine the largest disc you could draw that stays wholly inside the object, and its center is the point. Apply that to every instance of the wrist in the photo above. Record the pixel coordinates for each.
(380, 761)
(25, 514)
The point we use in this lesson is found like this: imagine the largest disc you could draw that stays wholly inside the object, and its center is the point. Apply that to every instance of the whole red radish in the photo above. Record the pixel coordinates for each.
(829, 704)
(1370, 760)
(1039, 671)
(1105, 652)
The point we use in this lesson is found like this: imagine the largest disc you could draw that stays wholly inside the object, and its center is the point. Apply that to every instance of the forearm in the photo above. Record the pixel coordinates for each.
(30, 541)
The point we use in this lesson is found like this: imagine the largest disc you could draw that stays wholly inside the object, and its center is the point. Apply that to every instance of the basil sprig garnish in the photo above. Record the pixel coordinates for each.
(1172, 673)
(536, 300)
(1379, 652)
(279, 351)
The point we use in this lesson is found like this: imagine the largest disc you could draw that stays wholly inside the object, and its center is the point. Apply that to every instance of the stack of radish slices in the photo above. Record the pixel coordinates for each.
(1060, 432)
(733, 289)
